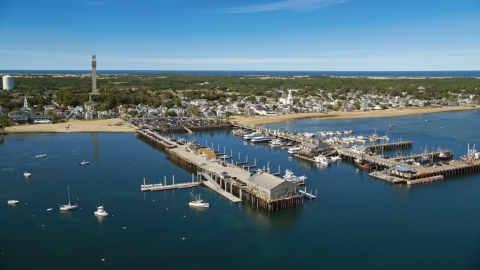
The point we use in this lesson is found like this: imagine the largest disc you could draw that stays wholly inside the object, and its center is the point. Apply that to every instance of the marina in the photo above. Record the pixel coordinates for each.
(345, 195)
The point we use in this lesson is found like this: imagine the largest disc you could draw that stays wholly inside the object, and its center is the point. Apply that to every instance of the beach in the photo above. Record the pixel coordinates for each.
(97, 125)
(258, 120)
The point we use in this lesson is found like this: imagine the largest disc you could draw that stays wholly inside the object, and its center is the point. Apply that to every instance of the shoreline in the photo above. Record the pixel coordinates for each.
(120, 126)
(103, 125)
(260, 120)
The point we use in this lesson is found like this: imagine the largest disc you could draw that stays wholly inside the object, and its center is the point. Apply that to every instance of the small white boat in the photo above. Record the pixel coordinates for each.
(49, 209)
(100, 212)
(197, 202)
(323, 159)
(41, 156)
(292, 178)
(335, 158)
(68, 207)
(12, 202)
(27, 174)
(84, 163)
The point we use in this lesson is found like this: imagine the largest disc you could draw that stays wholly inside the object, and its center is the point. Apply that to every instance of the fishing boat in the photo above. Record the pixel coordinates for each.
(84, 162)
(27, 174)
(68, 207)
(362, 163)
(100, 212)
(12, 201)
(323, 159)
(292, 178)
(444, 155)
(41, 156)
(198, 202)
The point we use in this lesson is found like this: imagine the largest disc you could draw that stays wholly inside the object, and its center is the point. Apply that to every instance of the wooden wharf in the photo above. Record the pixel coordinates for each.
(160, 187)
(237, 183)
(388, 146)
(192, 128)
(384, 169)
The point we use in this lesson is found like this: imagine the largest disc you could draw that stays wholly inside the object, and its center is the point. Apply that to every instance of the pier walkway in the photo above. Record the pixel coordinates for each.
(216, 187)
(159, 187)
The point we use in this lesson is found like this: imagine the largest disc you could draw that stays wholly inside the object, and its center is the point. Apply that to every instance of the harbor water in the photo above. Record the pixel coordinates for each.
(355, 222)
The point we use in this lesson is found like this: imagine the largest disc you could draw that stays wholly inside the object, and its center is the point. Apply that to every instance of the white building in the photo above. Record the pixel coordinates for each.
(286, 99)
(7, 82)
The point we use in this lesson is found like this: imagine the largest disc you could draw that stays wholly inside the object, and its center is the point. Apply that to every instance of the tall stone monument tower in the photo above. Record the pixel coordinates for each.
(94, 74)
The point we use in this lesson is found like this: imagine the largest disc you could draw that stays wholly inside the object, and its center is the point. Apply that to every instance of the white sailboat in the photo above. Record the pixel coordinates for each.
(27, 174)
(197, 202)
(68, 207)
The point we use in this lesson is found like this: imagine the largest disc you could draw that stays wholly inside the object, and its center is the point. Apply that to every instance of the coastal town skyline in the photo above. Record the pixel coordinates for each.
(242, 35)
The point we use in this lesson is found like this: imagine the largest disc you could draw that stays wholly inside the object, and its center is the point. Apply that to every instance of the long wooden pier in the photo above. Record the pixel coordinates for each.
(237, 184)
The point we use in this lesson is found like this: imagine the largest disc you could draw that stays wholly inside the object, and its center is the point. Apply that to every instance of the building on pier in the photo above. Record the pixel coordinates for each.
(271, 187)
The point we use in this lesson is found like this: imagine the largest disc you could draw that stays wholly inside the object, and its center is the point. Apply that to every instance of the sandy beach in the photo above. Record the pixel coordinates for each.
(257, 120)
(104, 125)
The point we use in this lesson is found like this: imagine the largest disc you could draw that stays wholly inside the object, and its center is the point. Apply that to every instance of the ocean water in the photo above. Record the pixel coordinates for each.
(356, 222)
(441, 73)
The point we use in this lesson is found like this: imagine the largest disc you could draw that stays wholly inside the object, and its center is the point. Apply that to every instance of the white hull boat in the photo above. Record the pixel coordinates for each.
(12, 202)
(27, 174)
(84, 163)
(323, 159)
(198, 202)
(100, 212)
(68, 207)
(292, 178)
(41, 156)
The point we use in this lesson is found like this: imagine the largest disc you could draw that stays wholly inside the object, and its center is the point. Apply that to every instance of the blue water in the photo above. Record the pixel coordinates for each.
(441, 73)
(356, 222)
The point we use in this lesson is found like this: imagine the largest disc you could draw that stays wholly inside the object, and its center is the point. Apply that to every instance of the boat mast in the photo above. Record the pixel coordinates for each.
(68, 191)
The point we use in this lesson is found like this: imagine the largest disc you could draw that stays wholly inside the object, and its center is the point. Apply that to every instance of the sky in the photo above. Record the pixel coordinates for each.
(310, 35)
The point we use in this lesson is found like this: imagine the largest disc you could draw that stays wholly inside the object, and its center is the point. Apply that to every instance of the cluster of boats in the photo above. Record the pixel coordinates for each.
(69, 207)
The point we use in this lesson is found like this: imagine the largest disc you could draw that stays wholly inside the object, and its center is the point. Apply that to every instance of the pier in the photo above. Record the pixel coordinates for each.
(230, 181)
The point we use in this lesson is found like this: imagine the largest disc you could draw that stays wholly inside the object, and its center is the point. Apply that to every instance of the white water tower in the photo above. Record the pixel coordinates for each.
(7, 82)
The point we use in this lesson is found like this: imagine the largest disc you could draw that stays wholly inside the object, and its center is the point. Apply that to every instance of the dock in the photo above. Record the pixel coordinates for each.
(159, 187)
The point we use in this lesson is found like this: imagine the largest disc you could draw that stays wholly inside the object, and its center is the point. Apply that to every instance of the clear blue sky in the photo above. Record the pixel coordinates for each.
(241, 34)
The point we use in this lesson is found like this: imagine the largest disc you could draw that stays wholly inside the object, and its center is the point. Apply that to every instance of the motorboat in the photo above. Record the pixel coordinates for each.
(252, 135)
(261, 139)
(276, 143)
(443, 155)
(68, 207)
(84, 163)
(292, 178)
(196, 201)
(309, 135)
(41, 156)
(27, 174)
(323, 159)
(12, 201)
(224, 157)
(293, 150)
(335, 158)
(100, 212)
